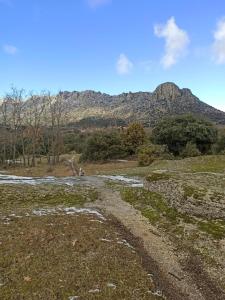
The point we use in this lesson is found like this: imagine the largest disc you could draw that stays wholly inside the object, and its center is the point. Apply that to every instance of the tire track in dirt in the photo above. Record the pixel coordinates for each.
(155, 250)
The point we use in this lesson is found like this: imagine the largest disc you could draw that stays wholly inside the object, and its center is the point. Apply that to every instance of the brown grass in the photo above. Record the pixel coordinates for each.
(61, 169)
(57, 257)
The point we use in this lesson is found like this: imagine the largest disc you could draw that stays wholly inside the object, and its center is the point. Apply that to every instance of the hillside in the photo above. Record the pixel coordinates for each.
(167, 99)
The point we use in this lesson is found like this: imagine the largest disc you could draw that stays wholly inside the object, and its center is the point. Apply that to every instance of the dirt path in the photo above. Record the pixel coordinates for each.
(172, 279)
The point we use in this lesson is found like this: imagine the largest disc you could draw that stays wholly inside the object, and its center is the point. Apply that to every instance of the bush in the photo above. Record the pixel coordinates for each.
(102, 146)
(190, 150)
(176, 132)
(75, 141)
(134, 137)
(219, 146)
(148, 153)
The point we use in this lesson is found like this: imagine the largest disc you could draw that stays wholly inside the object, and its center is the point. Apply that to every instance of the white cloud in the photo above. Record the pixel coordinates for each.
(9, 49)
(124, 65)
(219, 42)
(96, 3)
(177, 41)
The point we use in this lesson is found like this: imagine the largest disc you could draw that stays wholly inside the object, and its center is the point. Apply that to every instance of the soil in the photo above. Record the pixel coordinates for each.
(175, 279)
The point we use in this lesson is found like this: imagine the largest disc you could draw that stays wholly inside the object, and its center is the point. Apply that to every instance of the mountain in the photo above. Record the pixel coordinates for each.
(167, 100)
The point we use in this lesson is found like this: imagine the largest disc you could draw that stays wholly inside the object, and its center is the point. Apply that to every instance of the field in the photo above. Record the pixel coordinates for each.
(49, 251)
(109, 240)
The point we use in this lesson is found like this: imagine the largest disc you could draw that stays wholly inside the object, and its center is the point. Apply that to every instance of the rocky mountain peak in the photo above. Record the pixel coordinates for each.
(168, 90)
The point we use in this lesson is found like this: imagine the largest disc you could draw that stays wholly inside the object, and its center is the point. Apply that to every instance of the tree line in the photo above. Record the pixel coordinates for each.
(31, 128)
(36, 127)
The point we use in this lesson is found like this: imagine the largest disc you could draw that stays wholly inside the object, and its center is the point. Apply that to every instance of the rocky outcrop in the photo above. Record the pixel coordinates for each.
(90, 107)
(167, 99)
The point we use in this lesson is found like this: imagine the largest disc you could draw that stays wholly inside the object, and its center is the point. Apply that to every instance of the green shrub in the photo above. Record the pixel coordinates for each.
(190, 150)
(102, 146)
(149, 152)
(176, 132)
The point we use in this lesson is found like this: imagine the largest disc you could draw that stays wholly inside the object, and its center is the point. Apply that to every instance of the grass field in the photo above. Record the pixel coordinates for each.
(69, 255)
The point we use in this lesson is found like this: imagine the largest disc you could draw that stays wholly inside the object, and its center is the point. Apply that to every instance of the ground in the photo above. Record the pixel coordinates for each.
(49, 251)
(137, 243)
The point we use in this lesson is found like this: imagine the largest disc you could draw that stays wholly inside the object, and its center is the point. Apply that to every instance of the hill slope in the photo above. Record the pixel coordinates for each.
(167, 99)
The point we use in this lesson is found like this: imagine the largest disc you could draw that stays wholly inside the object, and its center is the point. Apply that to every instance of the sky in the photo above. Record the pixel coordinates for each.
(114, 46)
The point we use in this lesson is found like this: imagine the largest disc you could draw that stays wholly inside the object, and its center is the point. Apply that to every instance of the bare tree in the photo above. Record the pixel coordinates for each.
(33, 114)
(58, 112)
(12, 118)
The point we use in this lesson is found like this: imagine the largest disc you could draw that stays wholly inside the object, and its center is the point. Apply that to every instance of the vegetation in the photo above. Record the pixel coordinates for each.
(150, 152)
(190, 150)
(158, 176)
(33, 129)
(134, 137)
(66, 256)
(151, 204)
(102, 146)
(177, 132)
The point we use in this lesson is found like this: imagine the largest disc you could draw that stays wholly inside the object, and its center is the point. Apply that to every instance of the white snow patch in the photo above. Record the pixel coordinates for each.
(68, 211)
(12, 179)
(73, 297)
(106, 240)
(111, 285)
(133, 182)
(97, 221)
(157, 293)
(94, 291)
(125, 242)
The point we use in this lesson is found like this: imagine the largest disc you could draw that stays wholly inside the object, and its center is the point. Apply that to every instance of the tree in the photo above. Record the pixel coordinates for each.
(12, 118)
(176, 132)
(134, 137)
(32, 120)
(102, 146)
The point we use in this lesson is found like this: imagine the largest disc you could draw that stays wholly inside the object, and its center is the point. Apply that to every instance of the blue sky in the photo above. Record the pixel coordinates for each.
(114, 46)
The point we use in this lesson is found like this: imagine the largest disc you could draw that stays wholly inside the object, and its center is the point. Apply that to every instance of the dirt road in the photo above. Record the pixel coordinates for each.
(159, 257)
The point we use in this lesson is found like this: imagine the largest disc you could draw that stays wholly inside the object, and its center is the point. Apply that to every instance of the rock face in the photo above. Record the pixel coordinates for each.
(168, 99)
(90, 108)
(168, 91)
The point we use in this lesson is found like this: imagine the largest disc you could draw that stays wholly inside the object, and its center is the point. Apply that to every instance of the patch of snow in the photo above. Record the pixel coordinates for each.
(12, 179)
(111, 285)
(97, 221)
(131, 181)
(157, 293)
(94, 291)
(73, 297)
(122, 160)
(125, 242)
(137, 185)
(106, 240)
(67, 210)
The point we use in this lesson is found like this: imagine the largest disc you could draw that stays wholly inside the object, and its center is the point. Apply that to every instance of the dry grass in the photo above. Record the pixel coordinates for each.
(59, 256)
(61, 169)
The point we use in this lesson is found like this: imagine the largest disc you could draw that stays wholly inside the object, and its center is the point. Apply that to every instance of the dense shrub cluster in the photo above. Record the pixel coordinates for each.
(102, 146)
(182, 133)
(183, 136)
(149, 152)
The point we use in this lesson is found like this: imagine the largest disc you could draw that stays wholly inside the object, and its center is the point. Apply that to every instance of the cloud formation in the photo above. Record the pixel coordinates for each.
(124, 66)
(96, 3)
(9, 49)
(219, 42)
(176, 39)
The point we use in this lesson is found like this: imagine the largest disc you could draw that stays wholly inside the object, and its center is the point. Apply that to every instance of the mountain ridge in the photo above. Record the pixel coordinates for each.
(146, 107)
